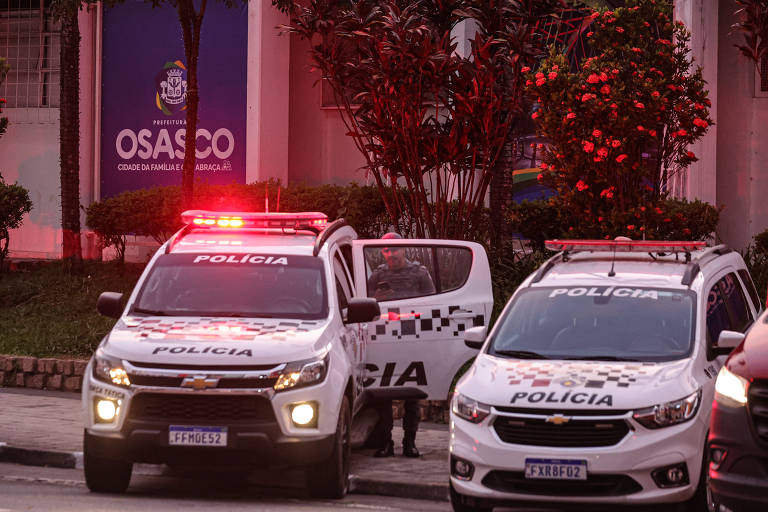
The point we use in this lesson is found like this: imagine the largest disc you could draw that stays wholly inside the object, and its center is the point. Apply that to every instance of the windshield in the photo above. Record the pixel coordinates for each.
(597, 323)
(238, 285)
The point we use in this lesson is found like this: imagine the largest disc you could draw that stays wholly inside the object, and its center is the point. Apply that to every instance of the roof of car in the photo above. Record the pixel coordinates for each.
(274, 241)
(631, 269)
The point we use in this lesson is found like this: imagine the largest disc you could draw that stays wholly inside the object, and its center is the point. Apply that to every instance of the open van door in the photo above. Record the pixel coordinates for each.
(429, 292)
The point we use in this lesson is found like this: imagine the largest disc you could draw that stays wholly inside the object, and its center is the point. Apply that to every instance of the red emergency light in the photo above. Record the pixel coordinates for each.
(315, 221)
(624, 245)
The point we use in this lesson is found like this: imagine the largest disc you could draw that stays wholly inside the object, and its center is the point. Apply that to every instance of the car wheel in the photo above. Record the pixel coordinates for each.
(460, 503)
(330, 478)
(104, 474)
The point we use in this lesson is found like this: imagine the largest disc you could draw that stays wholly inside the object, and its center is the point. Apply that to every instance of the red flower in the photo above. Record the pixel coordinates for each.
(652, 133)
(600, 219)
(639, 105)
(539, 75)
(589, 34)
(616, 143)
(664, 41)
(581, 186)
(528, 82)
(621, 158)
(655, 94)
(534, 115)
(613, 105)
(597, 134)
(571, 115)
(588, 146)
(525, 69)
(539, 177)
(602, 152)
(543, 166)
(540, 82)
(637, 50)
(619, 30)
(606, 89)
(593, 78)
(646, 24)
(640, 128)
(631, 227)
(658, 210)
(691, 154)
(607, 193)
(680, 133)
(552, 75)
(588, 96)
(667, 220)
(555, 67)
(700, 122)
(603, 76)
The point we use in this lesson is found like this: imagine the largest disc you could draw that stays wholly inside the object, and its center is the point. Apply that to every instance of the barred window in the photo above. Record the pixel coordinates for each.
(30, 41)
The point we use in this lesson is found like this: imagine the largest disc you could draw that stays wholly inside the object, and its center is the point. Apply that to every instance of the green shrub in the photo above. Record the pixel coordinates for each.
(14, 203)
(756, 258)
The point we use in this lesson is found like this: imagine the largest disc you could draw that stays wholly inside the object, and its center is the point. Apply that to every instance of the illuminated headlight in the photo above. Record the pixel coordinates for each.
(730, 389)
(670, 413)
(468, 409)
(106, 410)
(302, 373)
(109, 370)
(304, 414)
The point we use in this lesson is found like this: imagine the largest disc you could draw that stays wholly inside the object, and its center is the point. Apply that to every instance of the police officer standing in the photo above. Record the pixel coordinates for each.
(399, 278)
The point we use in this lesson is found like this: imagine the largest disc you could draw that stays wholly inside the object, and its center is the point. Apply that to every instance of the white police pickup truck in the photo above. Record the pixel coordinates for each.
(250, 340)
(596, 383)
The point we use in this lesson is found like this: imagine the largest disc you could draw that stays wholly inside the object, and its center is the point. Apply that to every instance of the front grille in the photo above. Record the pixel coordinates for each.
(594, 485)
(188, 407)
(575, 433)
(758, 407)
(224, 383)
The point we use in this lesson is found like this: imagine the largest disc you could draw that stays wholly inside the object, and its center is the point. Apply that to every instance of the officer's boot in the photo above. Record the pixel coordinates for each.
(387, 449)
(409, 445)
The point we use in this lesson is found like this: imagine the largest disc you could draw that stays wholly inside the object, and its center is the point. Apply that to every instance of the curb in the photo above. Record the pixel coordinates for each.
(357, 484)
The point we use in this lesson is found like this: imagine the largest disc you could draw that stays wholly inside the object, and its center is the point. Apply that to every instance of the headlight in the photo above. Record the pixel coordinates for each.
(670, 413)
(730, 389)
(468, 409)
(109, 369)
(302, 373)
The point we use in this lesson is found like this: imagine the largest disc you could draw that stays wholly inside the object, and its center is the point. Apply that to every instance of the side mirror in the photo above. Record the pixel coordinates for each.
(474, 337)
(362, 310)
(729, 340)
(110, 304)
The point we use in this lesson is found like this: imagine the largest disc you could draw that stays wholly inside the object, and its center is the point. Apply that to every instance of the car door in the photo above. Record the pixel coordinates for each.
(440, 289)
(726, 309)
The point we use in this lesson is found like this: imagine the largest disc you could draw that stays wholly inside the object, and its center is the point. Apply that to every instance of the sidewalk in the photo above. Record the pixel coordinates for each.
(44, 428)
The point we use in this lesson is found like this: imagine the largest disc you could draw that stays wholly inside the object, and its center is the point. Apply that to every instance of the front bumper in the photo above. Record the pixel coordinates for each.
(617, 474)
(740, 482)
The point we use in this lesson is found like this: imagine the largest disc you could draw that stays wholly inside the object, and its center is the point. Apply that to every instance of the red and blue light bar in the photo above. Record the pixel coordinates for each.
(316, 221)
(624, 245)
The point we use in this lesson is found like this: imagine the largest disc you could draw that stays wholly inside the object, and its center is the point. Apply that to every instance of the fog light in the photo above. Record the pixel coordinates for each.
(106, 410)
(461, 468)
(304, 415)
(671, 476)
(716, 456)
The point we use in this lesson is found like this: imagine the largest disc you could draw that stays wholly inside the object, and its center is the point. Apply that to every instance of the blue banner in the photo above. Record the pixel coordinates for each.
(144, 86)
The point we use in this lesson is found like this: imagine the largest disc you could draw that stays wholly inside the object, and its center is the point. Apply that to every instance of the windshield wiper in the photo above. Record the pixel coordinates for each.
(520, 354)
(601, 358)
(153, 312)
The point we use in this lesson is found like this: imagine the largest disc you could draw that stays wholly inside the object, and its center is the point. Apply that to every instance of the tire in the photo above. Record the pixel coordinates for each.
(104, 474)
(459, 503)
(330, 478)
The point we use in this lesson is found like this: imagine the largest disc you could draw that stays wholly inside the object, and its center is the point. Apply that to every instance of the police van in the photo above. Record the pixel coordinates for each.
(251, 340)
(596, 383)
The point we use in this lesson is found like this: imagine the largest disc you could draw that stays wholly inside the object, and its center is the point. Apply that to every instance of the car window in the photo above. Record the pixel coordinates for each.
(404, 271)
(750, 285)
(717, 313)
(736, 302)
(343, 286)
(242, 285)
(640, 324)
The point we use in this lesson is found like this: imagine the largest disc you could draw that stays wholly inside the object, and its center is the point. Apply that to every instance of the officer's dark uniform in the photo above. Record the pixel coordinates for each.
(410, 280)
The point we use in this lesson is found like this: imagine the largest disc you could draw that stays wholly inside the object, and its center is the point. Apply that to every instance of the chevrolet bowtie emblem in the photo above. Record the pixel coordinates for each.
(199, 382)
(558, 419)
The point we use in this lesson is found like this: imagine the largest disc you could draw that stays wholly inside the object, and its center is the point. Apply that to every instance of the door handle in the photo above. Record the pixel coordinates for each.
(461, 314)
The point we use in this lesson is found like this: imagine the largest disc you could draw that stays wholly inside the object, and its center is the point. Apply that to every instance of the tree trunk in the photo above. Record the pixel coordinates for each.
(191, 22)
(69, 134)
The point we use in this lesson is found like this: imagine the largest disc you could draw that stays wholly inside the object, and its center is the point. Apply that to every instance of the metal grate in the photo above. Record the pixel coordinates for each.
(30, 42)
(758, 407)
(189, 407)
(575, 433)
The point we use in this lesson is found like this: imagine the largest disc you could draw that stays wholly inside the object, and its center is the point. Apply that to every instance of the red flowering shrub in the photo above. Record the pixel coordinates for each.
(622, 123)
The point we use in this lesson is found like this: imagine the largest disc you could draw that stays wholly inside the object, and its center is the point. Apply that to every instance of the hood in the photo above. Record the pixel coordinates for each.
(576, 384)
(216, 341)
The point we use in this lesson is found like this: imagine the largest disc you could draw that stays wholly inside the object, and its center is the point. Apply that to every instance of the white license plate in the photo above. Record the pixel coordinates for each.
(197, 436)
(556, 469)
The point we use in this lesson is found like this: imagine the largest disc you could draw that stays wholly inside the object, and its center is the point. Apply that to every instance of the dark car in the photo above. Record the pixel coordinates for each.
(738, 437)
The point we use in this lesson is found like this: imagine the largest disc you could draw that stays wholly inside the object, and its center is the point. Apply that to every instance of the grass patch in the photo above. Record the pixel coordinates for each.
(47, 312)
